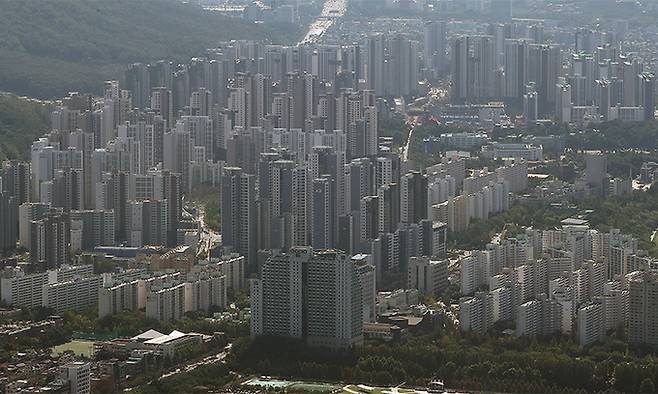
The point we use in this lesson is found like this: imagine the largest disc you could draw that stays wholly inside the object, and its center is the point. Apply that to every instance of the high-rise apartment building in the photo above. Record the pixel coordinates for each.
(239, 214)
(125, 296)
(8, 223)
(311, 295)
(169, 301)
(473, 68)
(76, 294)
(366, 270)
(323, 203)
(476, 313)
(427, 276)
(434, 46)
(207, 291)
(16, 180)
(643, 313)
(148, 222)
(92, 228)
(591, 324)
(50, 240)
(413, 197)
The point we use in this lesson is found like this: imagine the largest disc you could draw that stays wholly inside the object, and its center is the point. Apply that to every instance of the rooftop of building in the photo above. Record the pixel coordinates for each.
(574, 222)
(153, 337)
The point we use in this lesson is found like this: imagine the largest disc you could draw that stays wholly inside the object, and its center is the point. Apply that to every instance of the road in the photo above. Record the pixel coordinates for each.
(405, 149)
(207, 236)
(331, 11)
(435, 96)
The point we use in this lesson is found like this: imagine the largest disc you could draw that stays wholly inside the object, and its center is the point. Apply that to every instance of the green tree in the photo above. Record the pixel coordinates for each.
(21, 121)
(647, 386)
(626, 377)
(50, 48)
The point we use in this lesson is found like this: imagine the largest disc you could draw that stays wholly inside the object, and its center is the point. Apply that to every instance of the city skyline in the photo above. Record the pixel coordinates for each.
(394, 196)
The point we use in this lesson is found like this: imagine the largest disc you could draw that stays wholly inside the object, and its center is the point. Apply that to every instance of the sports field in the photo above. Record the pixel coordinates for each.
(78, 347)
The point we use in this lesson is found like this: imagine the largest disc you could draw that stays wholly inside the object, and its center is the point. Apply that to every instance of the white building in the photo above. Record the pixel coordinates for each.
(528, 319)
(515, 174)
(397, 299)
(541, 316)
(475, 271)
(440, 190)
(502, 304)
(233, 266)
(527, 152)
(563, 297)
(591, 324)
(76, 294)
(478, 180)
(615, 304)
(166, 344)
(78, 375)
(126, 296)
(26, 290)
(207, 290)
(456, 168)
(168, 302)
(429, 277)
(476, 313)
(368, 277)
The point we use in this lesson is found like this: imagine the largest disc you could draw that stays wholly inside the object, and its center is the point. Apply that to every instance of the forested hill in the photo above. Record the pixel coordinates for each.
(21, 121)
(48, 48)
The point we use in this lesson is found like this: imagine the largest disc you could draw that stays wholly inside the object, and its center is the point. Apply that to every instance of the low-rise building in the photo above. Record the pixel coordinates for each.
(152, 341)
(167, 344)
(383, 331)
(497, 150)
(396, 299)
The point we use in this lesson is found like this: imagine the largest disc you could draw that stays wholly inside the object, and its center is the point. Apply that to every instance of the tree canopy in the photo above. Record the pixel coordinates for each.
(470, 362)
(21, 121)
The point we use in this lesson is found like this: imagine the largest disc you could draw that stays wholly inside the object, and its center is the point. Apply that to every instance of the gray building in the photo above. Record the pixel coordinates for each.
(239, 214)
(311, 295)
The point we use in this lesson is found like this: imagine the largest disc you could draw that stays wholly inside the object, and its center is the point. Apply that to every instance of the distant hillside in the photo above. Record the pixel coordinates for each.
(21, 122)
(48, 48)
